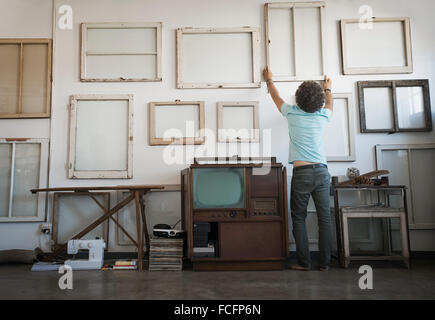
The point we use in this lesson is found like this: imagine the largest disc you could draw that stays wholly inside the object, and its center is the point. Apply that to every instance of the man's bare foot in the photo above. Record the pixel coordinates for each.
(299, 268)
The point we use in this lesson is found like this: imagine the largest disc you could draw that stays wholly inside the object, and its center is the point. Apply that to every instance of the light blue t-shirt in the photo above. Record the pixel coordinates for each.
(306, 133)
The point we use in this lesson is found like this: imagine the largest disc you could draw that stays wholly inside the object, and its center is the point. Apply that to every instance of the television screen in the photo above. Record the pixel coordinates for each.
(218, 188)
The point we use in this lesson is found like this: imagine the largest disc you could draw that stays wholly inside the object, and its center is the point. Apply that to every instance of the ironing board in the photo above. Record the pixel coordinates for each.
(136, 193)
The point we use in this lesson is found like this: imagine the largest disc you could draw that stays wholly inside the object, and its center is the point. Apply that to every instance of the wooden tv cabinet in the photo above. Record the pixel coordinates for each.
(251, 238)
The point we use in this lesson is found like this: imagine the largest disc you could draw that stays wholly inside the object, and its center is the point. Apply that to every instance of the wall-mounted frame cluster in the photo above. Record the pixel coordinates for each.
(23, 166)
(384, 46)
(176, 122)
(394, 106)
(101, 137)
(121, 51)
(237, 121)
(218, 58)
(295, 40)
(25, 78)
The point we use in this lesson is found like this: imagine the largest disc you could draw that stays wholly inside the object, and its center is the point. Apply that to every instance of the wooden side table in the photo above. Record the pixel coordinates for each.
(343, 214)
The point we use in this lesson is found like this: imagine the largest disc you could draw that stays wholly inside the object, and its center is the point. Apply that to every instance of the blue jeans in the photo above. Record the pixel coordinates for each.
(308, 181)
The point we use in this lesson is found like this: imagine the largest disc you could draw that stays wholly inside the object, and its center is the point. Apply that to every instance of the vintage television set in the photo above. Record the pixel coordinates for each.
(235, 215)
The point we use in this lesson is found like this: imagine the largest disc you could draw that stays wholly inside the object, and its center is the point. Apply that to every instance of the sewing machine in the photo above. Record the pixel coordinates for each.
(96, 254)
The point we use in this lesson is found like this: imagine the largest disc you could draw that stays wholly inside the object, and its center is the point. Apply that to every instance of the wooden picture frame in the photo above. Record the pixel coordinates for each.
(348, 118)
(253, 132)
(131, 55)
(124, 133)
(9, 191)
(293, 72)
(394, 86)
(55, 218)
(251, 80)
(363, 47)
(26, 86)
(156, 139)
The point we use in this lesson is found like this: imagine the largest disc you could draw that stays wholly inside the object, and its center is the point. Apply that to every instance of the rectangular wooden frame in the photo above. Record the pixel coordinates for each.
(255, 36)
(155, 141)
(241, 104)
(102, 174)
(43, 176)
(408, 68)
(55, 215)
(408, 147)
(124, 25)
(291, 5)
(351, 126)
(22, 43)
(393, 84)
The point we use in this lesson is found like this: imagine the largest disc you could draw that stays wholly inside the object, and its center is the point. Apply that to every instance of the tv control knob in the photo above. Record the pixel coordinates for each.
(233, 214)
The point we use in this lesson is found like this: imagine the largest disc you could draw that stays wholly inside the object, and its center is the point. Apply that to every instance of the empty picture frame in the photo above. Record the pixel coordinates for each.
(101, 137)
(295, 40)
(218, 58)
(237, 121)
(74, 211)
(176, 122)
(25, 78)
(382, 45)
(339, 135)
(23, 166)
(394, 106)
(121, 51)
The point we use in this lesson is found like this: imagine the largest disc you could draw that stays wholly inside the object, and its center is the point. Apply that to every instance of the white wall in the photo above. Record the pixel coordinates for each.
(33, 18)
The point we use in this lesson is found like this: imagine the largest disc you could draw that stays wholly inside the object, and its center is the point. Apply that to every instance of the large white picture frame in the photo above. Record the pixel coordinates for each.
(101, 137)
(295, 40)
(121, 52)
(218, 58)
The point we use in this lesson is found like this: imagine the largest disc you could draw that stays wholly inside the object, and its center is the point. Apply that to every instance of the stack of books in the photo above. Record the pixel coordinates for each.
(125, 265)
(166, 254)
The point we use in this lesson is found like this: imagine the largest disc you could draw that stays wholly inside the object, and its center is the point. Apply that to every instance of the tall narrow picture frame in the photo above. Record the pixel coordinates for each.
(101, 137)
(118, 52)
(339, 135)
(25, 78)
(379, 46)
(218, 58)
(23, 166)
(394, 106)
(295, 40)
(237, 121)
(176, 122)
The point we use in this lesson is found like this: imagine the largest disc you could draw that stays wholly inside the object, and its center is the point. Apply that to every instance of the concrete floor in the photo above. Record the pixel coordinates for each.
(390, 282)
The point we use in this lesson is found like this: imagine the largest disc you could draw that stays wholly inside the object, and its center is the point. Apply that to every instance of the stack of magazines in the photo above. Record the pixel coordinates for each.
(166, 254)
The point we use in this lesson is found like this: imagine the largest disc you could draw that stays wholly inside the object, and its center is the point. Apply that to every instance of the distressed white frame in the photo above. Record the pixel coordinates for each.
(408, 147)
(99, 174)
(129, 25)
(43, 178)
(351, 127)
(408, 68)
(255, 52)
(291, 6)
(157, 141)
(254, 131)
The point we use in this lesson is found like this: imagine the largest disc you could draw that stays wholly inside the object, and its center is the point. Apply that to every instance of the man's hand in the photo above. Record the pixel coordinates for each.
(267, 74)
(328, 94)
(327, 83)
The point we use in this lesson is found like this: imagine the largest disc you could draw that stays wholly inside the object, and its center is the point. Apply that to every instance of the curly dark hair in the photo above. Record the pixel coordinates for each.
(310, 96)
